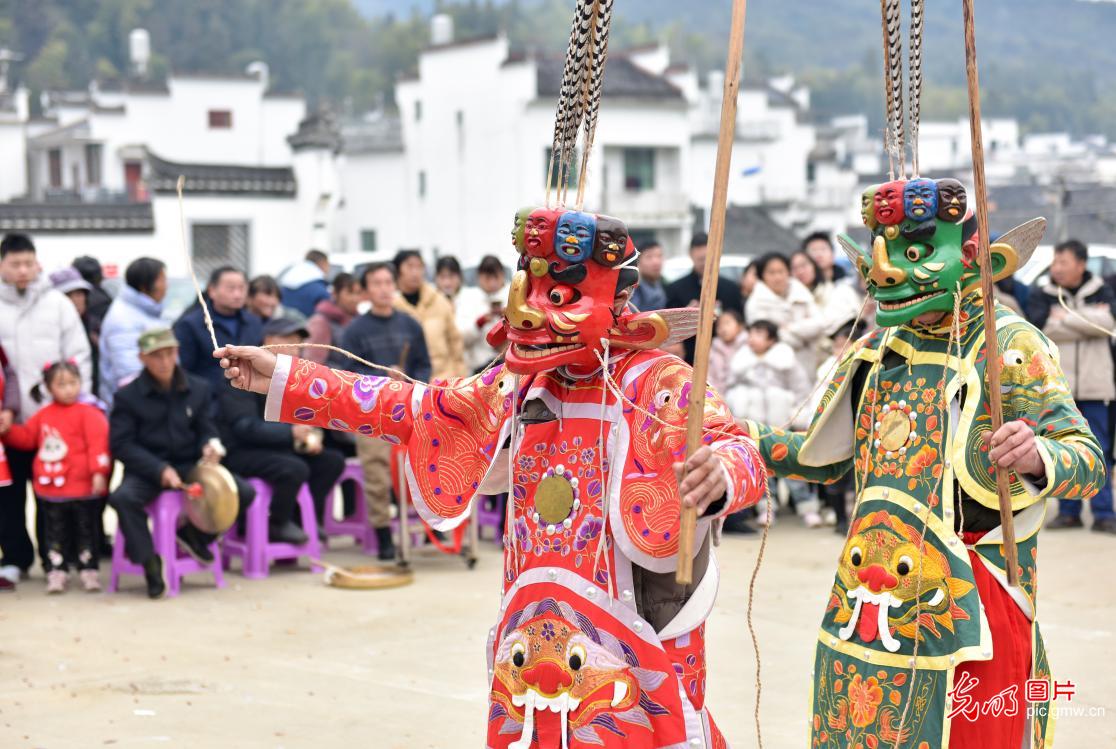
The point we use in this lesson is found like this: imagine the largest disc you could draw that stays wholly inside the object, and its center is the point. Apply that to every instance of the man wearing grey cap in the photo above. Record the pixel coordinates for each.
(160, 429)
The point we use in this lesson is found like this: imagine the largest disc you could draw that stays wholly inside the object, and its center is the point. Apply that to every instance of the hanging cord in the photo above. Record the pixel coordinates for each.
(954, 337)
(606, 484)
(1074, 313)
(190, 262)
(918, 20)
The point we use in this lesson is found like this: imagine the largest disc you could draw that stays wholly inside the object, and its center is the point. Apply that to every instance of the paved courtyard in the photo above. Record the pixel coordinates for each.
(288, 662)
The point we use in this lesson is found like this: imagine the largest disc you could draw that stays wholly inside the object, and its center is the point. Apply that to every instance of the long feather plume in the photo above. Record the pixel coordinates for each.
(918, 20)
(894, 62)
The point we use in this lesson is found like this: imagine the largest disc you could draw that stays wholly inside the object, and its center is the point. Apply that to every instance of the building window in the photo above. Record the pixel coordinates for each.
(93, 164)
(571, 173)
(418, 110)
(368, 240)
(422, 184)
(215, 245)
(54, 163)
(220, 119)
(461, 124)
(639, 169)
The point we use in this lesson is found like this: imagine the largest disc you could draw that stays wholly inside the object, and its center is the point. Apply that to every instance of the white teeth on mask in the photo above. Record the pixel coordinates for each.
(529, 353)
(908, 302)
(562, 704)
(619, 692)
(939, 596)
(884, 601)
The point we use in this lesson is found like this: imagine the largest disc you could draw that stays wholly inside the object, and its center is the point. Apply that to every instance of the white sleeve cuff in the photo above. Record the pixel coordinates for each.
(274, 406)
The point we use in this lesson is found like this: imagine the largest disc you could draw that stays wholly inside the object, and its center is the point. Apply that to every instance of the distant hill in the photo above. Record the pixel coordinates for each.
(1049, 63)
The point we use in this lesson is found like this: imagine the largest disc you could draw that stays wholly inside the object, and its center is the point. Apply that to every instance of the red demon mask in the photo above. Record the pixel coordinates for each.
(573, 266)
(889, 203)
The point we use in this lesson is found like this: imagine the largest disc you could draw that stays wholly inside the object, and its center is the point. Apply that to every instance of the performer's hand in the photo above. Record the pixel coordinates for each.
(100, 484)
(703, 482)
(1013, 448)
(170, 479)
(7, 418)
(247, 367)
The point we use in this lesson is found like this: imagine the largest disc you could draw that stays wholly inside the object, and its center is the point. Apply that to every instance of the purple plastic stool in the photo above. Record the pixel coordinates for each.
(490, 517)
(355, 525)
(164, 512)
(255, 551)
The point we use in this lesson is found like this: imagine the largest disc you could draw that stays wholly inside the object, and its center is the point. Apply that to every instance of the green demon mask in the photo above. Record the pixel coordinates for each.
(917, 261)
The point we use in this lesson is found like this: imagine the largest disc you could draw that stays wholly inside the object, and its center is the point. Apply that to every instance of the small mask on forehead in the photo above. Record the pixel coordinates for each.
(519, 229)
(868, 208)
(920, 200)
(574, 237)
(952, 201)
(889, 203)
(611, 245)
(538, 231)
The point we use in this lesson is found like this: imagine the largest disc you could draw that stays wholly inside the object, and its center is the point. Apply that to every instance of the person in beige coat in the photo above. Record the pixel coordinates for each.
(422, 301)
(783, 300)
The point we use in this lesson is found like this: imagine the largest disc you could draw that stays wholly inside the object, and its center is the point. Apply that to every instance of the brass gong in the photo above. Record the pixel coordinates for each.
(212, 509)
(554, 500)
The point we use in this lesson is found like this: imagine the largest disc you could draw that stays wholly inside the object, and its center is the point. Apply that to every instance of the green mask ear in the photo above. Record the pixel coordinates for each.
(859, 258)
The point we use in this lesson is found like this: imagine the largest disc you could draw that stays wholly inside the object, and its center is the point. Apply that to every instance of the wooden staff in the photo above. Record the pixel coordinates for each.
(696, 414)
(992, 354)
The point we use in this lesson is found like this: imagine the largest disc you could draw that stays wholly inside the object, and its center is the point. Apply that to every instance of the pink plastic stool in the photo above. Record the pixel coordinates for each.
(255, 551)
(355, 525)
(489, 517)
(164, 512)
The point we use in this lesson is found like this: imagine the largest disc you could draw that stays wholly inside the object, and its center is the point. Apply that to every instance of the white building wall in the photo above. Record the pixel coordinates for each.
(378, 190)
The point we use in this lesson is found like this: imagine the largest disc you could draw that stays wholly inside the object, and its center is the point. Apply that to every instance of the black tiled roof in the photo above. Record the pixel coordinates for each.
(750, 230)
(221, 179)
(623, 78)
(47, 218)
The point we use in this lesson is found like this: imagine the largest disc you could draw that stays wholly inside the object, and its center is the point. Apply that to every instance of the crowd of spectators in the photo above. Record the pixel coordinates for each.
(88, 379)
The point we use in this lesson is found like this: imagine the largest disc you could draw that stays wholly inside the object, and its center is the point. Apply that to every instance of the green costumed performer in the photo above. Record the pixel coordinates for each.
(923, 643)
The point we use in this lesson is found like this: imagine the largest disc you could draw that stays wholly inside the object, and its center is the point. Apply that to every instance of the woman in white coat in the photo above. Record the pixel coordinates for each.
(790, 305)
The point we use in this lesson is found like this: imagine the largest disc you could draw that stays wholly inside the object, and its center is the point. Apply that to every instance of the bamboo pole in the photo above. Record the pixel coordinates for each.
(696, 413)
(992, 355)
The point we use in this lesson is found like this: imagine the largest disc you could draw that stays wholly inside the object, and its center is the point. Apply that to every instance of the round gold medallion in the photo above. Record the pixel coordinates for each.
(554, 500)
(895, 428)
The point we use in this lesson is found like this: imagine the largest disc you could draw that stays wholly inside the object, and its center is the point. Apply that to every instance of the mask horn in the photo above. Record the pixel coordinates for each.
(851, 249)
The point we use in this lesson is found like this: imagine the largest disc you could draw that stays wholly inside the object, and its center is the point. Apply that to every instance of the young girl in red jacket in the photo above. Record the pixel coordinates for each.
(70, 471)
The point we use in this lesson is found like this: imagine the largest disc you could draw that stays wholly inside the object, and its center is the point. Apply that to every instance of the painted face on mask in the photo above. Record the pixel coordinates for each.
(952, 200)
(889, 203)
(561, 308)
(920, 199)
(519, 229)
(611, 245)
(573, 240)
(538, 231)
(868, 208)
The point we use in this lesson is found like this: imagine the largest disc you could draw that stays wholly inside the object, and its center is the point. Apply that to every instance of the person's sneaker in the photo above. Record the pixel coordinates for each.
(1107, 525)
(6, 585)
(193, 544)
(387, 545)
(812, 520)
(153, 573)
(1065, 521)
(286, 533)
(90, 580)
(829, 517)
(10, 573)
(56, 581)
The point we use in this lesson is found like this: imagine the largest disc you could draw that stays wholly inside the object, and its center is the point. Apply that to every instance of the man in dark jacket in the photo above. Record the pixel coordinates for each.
(686, 291)
(394, 339)
(227, 293)
(159, 429)
(284, 456)
(1081, 330)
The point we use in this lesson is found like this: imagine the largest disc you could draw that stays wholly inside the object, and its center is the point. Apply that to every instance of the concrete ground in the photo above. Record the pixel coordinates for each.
(288, 662)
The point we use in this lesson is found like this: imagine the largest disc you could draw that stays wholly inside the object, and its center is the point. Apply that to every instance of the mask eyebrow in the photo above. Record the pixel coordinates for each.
(574, 274)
